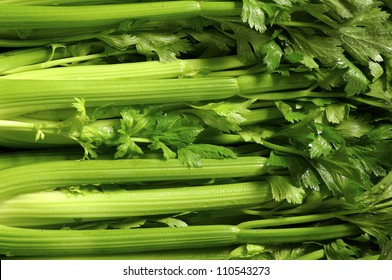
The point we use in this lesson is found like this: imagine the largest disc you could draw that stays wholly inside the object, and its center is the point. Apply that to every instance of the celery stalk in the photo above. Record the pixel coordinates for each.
(38, 242)
(19, 16)
(57, 207)
(20, 97)
(131, 70)
(49, 175)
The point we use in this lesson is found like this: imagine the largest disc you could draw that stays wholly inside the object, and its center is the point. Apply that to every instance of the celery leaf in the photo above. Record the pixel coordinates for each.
(273, 54)
(225, 116)
(340, 250)
(282, 189)
(193, 154)
(288, 112)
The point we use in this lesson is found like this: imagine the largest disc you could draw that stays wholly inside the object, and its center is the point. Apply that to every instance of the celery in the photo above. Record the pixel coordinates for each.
(132, 70)
(56, 207)
(34, 242)
(13, 159)
(18, 17)
(25, 96)
(227, 129)
(48, 175)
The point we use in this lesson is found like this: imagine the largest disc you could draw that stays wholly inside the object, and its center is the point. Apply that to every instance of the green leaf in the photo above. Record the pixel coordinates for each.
(288, 112)
(214, 38)
(336, 113)
(255, 134)
(133, 222)
(225, 116)
(379, 90)
(282, 189)
(119, 42)
(78, 190)
(386, 247)
(376, 70)
(284, 2)
(273, 54)
(278, 160)
(303, 174)
(373, 159)
(379, 193)
(303, 131)
(291, 252)
(80, 106)
(380, 132)
(367, 36)
(339, 175)
(172, 222)
(164, 131)
(175, 130)
(128, 148)
(377, 224)
(194, 154)
(76, 50)
(301, 171)
(356, 81)
(319, 147)
(39, 134)
(248, 251)
(253, 14)
(249, 42)
(354, 127)
(259, 14)
(167, 152)
(330, 78)
(340, 250)
(331, 134)
(314, 49)
(165, 46)
(319, 11)
(339, 8)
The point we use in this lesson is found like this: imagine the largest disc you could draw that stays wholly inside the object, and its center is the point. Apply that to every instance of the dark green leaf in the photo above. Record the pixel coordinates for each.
(340, 250)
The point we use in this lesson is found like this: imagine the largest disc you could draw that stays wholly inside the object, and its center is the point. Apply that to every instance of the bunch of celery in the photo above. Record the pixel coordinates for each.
(196, 129)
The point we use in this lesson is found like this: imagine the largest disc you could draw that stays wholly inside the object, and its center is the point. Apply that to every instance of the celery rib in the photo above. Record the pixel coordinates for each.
(26, 96)
(131, 70)
(31, 242)
(56, 207)
(20, 97)
(19, 17)
(37, 242)
(43, 176)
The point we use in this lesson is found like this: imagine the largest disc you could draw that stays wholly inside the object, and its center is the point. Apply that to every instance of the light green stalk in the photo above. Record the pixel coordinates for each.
(31, 17)
(133, 70)
(17, 58)
(57, 207)
(49, 243)
(48, 175)
(60, 2)
(40, 67)
(19, 97)
(220, 253)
